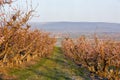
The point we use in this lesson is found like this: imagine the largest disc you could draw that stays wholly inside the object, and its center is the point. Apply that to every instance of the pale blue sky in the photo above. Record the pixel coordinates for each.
(77, 10)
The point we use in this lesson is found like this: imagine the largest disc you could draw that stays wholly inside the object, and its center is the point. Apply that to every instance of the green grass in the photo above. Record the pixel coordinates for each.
(55, 67)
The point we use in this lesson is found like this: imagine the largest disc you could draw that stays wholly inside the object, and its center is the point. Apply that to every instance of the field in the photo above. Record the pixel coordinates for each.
(75, 59)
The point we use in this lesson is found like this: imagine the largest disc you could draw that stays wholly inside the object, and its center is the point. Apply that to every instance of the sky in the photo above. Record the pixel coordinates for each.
(76, 10)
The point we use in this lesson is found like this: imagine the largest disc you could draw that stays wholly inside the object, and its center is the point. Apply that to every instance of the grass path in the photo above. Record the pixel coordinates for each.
(55, 67)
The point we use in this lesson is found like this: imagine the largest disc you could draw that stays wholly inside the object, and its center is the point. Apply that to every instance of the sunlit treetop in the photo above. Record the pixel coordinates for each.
(5, 2)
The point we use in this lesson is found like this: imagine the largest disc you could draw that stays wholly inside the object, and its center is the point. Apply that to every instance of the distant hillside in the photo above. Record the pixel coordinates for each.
(78, 27)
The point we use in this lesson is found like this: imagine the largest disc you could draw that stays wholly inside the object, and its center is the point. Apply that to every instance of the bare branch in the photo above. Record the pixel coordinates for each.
(2, 2)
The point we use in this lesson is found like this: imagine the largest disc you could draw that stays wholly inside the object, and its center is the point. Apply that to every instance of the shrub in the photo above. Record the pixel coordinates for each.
(101, 57)
(19, 44)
